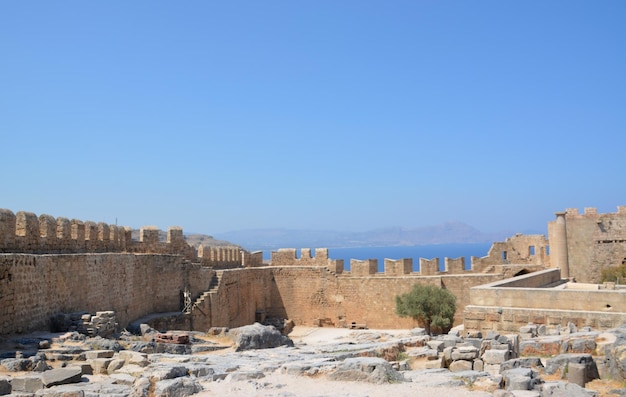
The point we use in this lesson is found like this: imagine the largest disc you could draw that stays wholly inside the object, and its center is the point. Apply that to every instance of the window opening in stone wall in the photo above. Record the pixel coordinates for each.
(504, 260)
(531, 250)
(547, 250)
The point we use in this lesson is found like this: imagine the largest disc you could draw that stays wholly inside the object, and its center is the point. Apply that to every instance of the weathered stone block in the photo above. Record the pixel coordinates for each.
(493, 317)
(178, 339)
(61, 376)
(577, 374)
(437, 345)
(100, 365)
(525, 362)
(561, 364)
(460, 365)
(478, 365)
(177, 387)
(518, 379)
(476, 342)
(495, 356)
(134, 358)
(114, 365)
(85, 368)
(529, 329)
(434, 364)
(548, 346)
(27, 383)
(93, 354)
(468, 353)
(5, 386)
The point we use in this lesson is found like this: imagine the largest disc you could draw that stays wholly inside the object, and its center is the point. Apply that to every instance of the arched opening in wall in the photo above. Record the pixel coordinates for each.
(521, 273)
(504, 257)
(547, 250)
(531, 250)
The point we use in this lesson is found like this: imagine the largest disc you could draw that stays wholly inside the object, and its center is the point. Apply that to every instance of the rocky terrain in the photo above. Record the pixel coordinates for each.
(259, 360)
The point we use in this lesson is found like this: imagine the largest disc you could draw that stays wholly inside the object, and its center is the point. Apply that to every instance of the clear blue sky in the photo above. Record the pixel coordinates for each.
(347, 115)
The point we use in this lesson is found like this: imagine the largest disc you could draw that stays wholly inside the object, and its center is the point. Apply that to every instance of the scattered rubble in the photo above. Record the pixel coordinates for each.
(179, 363)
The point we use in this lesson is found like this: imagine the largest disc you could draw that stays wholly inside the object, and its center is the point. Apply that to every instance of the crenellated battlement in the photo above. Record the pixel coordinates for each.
(228, 257)
(288, 257)
(111, 270)
(25, 232)
(524, 250)
(592, 212)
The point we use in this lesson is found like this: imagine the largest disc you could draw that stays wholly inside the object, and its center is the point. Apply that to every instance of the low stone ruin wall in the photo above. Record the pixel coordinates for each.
(509, 304)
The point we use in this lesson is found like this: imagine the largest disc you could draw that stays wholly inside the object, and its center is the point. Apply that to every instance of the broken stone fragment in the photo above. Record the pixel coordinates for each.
(61, 376)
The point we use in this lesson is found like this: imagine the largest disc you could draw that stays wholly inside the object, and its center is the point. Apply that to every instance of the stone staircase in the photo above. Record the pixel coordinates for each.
(213, 287)
(215, 281)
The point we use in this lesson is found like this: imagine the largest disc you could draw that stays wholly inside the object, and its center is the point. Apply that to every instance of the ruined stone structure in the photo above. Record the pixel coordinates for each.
(50, 266)
(544, 298)
(581, 246)
(584, 244)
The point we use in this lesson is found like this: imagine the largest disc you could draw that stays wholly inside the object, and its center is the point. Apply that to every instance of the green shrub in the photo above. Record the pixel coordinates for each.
(432, 307)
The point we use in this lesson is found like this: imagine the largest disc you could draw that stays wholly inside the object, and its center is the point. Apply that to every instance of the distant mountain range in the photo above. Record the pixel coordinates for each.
(446, 233)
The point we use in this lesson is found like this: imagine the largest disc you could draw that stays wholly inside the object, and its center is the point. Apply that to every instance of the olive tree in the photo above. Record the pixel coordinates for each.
(430, 306)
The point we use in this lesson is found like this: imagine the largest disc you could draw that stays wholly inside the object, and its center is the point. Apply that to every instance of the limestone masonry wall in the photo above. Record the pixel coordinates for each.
(25, 232)
(592, 241)
(50, 265)
(315, 296)
(288, 257)
(34, 287)
(543, 298)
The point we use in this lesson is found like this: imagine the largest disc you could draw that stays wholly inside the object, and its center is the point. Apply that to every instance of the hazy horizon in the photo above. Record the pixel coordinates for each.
(352, 115)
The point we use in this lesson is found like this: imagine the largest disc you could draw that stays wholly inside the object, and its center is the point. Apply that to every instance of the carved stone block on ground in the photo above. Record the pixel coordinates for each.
(61, 376)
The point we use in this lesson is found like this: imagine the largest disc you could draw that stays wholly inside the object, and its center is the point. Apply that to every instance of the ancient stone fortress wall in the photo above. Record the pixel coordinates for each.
(33, 288)
(25, 232)
(315, 296)
(544, 298)
(288, 257)
(50, 266)
(317, 290)
(520, 250)
(47, 269)
(584, 244)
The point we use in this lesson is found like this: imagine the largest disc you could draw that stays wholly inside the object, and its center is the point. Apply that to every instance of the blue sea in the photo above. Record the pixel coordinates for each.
(418, 251)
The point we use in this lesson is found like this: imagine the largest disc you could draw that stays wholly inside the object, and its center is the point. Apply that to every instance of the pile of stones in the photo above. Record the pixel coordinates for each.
(523, 361)
(101, 324)
(158, 363)
(71, 364)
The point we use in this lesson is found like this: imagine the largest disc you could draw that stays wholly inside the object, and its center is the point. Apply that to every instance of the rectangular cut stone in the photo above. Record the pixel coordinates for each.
(27, 383)
(495, 356)
(93, 354)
